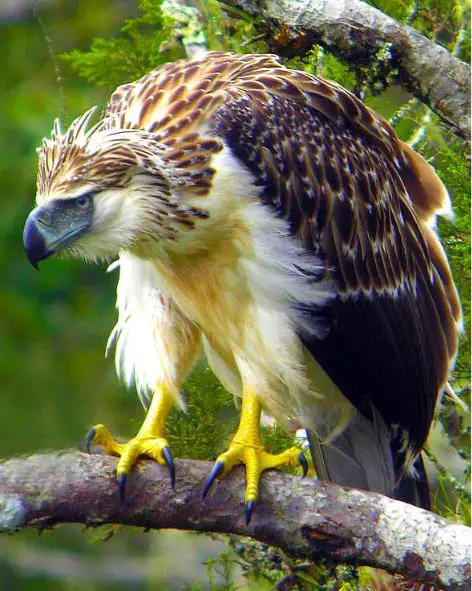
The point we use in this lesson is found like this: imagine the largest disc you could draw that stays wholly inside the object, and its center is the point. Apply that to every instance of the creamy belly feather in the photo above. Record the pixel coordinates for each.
(241, 297)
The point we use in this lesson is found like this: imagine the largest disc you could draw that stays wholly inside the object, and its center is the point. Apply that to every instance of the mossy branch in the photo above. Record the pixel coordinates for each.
(309, 519)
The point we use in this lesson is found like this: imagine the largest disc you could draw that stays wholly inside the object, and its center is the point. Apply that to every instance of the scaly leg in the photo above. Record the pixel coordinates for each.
(246, 448)
(149, 441)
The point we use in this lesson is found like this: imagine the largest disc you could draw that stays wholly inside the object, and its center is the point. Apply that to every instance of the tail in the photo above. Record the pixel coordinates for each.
(413, 487)
(362, 457)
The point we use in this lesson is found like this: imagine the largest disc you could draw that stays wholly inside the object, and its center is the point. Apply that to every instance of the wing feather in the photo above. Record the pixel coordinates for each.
(354, 194)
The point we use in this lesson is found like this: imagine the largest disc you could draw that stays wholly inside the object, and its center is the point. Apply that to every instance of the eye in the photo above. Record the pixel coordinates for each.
(83, 201)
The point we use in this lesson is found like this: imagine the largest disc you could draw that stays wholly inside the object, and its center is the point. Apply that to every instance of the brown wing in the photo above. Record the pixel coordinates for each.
(361, 199)
(351, 192)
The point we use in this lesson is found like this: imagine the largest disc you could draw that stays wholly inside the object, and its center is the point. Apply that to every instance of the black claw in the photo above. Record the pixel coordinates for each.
(169, 460)
(248, 511)
(122, 486)
(88, 440)
(304, 463)
(215, 472)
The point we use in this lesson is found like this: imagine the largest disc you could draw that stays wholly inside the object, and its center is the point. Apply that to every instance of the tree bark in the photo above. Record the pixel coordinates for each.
(355, 32)
(305, 518)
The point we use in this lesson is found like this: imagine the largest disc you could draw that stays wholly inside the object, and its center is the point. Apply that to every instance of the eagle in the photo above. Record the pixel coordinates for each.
(271, 219)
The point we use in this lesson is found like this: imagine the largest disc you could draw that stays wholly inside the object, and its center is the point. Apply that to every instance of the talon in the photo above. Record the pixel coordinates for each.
(304, 464)
(247, 448)
(170, 464)
(89, 438)
(122, 486)
(248, 511)
(217, 470)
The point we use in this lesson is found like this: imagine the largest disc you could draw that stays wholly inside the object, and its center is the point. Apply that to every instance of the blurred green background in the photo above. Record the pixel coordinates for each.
(54, 380)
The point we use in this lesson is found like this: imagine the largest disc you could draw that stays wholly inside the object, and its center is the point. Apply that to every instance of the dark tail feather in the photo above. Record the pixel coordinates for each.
(361, 457)
(414, 489)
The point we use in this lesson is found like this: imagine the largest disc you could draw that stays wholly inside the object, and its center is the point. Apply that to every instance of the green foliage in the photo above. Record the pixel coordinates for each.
(453, 168)
(276, 439)
(446, 22)
(204, 429)
(134, 52)
(220, 573)
(259, 562)
(152, 39)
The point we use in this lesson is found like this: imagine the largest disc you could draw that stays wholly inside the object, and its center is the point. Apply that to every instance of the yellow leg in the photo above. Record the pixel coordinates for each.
(246, 448)
(149, 441)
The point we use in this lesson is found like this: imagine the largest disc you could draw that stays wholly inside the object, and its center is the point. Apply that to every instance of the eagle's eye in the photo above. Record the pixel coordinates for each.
(83, 201)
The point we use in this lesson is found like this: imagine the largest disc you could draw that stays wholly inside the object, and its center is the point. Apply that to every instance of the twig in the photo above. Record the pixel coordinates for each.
(54, 60)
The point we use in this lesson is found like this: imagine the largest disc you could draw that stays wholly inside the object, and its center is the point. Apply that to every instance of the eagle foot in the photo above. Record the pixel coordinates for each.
(156, 448)
(256, 459)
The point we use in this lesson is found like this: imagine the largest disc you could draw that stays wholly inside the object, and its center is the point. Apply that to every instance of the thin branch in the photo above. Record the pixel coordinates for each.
(355, 32)
(308, 518)
(464, 19)
(413, 13)
(54, 60)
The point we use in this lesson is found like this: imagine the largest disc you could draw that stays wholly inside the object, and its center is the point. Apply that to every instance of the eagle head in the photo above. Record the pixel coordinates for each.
(103, 190)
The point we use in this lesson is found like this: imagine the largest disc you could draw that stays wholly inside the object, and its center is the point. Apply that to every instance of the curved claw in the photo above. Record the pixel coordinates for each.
(215, 472)
(169, 460)
(248, 511)
(304, 464)
(122, 486)
(89, 438)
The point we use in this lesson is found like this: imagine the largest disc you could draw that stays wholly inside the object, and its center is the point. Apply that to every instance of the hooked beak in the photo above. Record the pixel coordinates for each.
(51, 227)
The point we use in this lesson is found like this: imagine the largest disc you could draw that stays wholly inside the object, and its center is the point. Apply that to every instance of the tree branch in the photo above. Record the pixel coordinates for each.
(307, 518)
(355, 32)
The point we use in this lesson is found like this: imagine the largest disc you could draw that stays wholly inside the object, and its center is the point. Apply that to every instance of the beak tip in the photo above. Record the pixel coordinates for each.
(34, 264)
(33, 242)
(51, 227)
